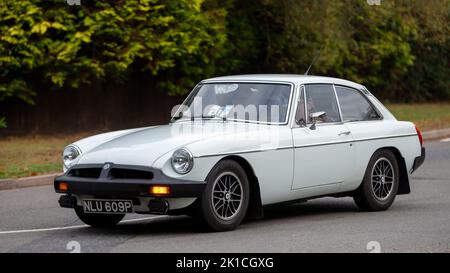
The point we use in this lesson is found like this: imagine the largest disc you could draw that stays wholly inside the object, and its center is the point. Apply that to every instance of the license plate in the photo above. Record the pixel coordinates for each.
(107, 206)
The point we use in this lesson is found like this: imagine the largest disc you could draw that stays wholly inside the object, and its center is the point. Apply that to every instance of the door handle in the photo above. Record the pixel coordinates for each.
(344, 133)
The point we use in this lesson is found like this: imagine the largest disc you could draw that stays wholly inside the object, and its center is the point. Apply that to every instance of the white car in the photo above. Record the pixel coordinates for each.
(239, 143)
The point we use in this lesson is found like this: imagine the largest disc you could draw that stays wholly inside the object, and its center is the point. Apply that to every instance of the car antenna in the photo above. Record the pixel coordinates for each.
(314, 60)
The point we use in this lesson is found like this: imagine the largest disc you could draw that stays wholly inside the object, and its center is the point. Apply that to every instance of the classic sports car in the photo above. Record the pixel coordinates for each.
(239, 143)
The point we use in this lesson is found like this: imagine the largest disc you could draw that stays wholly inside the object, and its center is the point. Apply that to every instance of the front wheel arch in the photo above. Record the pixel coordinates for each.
(255, 208)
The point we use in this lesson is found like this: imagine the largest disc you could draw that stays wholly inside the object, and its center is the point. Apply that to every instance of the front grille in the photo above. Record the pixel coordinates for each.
(117, 173)
(85, 172)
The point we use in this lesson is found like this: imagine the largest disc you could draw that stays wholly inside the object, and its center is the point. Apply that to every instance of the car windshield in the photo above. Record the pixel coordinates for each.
(257, 102)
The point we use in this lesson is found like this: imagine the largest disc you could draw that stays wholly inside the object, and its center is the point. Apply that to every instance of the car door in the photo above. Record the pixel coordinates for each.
(364, 121)
(323, 152)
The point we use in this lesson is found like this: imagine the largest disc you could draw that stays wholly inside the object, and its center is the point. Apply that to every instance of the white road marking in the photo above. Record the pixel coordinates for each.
(445, 140)
(75, 227)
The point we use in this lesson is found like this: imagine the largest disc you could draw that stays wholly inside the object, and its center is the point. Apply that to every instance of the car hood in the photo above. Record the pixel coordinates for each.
(145, 146)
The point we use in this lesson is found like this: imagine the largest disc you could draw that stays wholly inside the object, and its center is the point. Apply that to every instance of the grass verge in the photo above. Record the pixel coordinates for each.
(426, 116)
(32, 155)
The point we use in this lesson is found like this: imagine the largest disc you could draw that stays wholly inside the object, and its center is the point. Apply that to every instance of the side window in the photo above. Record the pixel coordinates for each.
(354, 106)
(321, 98)
(300, 115)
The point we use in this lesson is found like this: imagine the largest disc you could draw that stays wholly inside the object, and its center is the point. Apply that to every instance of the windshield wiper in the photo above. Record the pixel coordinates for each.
(223, 118)
(209, 117)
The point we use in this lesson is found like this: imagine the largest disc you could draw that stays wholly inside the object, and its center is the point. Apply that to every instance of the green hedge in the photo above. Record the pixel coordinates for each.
(399, 49)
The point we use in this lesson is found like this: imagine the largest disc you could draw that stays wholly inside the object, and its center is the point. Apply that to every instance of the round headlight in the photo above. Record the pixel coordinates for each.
(69, 155)
(182, 161)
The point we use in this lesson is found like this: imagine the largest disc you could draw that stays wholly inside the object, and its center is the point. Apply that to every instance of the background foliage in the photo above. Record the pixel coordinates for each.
(399, 49)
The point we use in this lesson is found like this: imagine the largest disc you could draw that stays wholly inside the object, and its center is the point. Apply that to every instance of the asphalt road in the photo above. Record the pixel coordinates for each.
(31, 221)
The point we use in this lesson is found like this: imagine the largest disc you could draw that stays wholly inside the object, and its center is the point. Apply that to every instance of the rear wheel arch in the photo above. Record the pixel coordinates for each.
(255, 209)
(380, 183)
(403, 187)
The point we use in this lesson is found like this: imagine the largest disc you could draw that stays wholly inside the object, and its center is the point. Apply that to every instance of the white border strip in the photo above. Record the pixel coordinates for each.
(75, 227)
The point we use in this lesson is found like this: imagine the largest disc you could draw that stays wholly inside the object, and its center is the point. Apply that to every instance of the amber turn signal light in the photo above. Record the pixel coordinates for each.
(160, 190)
(63, 186)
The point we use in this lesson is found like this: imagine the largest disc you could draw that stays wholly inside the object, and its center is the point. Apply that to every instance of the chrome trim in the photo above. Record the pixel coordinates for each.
(338, 103)
(318, 186)
(294, 106)
(248, 81)
(191, 161)
(352, 141)
(302, 146)
(183, 103)
(306, 105)
(76, 148)
(301, 90)
(245, 152)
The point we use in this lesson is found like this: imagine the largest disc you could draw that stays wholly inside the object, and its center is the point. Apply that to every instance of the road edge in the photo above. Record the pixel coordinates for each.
(24, 182)
(42, 180)
(436, 134)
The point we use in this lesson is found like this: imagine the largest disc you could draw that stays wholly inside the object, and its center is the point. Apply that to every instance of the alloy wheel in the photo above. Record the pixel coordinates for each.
(382, 179)
(227, 195)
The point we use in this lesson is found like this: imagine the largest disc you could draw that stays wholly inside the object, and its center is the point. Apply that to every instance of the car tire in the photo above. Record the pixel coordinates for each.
(380, 184)
(98, 219)
(225, 200)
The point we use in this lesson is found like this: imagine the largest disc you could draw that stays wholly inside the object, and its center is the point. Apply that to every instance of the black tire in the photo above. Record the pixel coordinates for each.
(378, 194)
(98, 219)
(217, 220)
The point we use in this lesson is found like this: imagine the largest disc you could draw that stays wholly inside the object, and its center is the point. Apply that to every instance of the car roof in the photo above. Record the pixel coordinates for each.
(291, 78)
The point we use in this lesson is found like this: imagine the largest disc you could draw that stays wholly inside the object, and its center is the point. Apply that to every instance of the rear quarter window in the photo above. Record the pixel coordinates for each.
(354, 106)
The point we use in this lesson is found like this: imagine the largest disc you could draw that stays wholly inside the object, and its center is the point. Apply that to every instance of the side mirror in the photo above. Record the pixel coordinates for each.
(315, 117)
